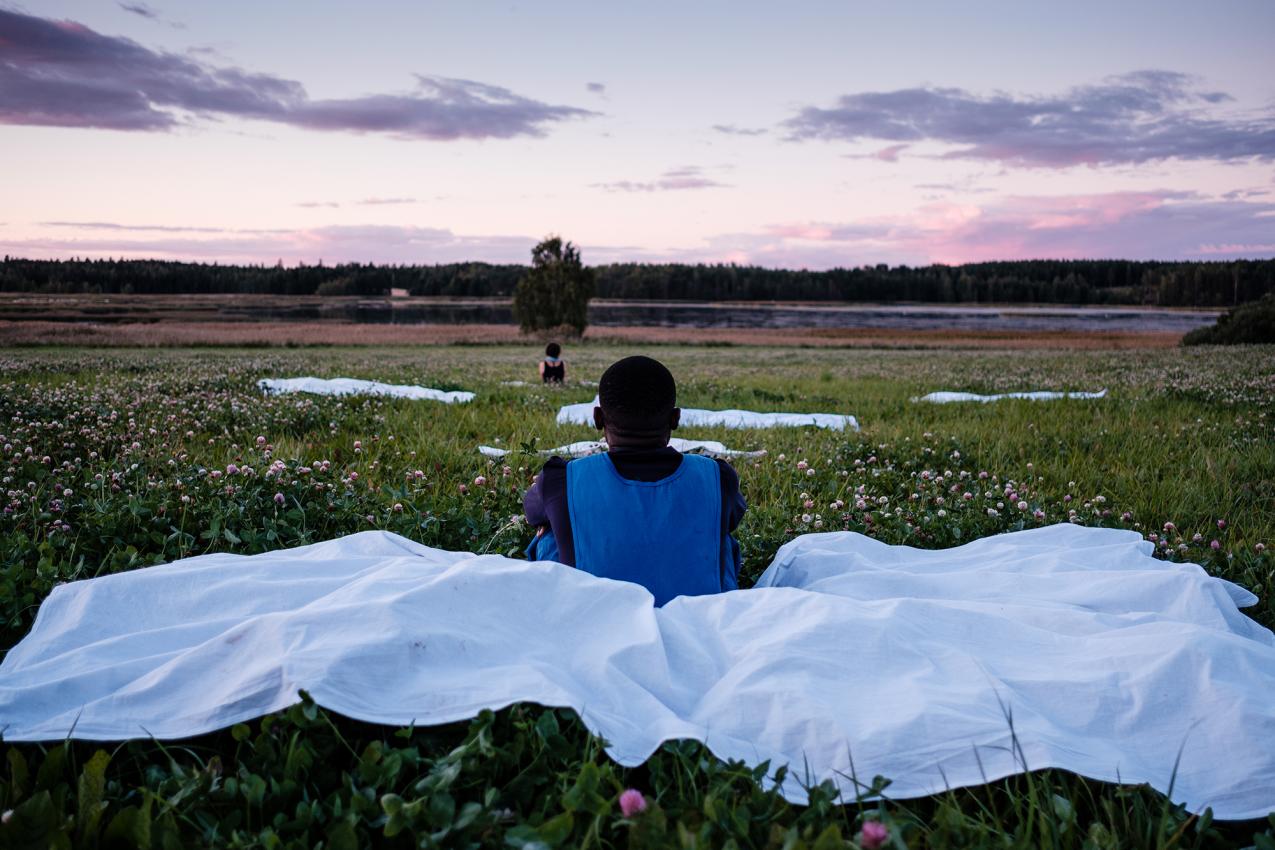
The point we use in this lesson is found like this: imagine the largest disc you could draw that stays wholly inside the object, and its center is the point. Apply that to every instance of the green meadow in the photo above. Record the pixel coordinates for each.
(120, 459)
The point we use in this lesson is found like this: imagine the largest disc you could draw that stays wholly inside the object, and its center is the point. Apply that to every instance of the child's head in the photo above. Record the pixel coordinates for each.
(637, 403)
(553, 350)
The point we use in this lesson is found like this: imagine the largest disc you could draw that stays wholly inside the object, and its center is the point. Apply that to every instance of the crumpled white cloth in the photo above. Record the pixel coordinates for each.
(354, 386)
(1037, 395)
(591, 447)
(582, 414)
(851, 659)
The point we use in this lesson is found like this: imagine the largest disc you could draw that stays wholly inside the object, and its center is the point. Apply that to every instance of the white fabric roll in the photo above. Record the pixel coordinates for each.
(590, 447)
(1036, 395)
(582, 414)
(353, 386)
(851, 658)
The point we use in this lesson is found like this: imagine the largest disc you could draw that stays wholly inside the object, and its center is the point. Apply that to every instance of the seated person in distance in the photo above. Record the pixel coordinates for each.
(553, 369)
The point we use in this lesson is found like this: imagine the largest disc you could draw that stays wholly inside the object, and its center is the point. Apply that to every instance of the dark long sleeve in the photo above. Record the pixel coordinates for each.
(545, 503)
(733, 504)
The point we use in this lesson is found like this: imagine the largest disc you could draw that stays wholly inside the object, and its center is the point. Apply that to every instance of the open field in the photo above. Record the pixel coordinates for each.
(120, 458)
(170, 333)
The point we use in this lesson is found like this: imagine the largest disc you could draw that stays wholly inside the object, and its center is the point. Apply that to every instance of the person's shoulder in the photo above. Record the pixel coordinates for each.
(552, 476)
(729, 475)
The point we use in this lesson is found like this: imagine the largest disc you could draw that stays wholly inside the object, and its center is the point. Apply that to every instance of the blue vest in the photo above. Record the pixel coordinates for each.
(665, 535)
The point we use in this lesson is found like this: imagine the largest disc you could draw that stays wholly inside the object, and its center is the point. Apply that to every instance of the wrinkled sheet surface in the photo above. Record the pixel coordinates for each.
(853, 658)
(582, 448)
(1036, 395)
(354, 386)
(582, 414)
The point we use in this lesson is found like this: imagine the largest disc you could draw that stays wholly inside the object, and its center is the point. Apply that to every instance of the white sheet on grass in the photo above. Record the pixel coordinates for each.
(582, 414)
(353, 386)
(854, 658)
(1037, 395)
(591, 447)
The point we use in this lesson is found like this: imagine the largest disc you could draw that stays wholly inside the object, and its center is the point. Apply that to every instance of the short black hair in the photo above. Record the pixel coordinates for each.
(553, 349)
(638, 392)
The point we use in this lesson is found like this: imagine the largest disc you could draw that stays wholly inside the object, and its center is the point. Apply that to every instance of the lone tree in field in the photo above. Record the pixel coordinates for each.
(555, 294)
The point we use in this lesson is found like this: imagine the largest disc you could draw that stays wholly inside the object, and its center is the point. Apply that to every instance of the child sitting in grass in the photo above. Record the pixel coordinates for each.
(642, 512)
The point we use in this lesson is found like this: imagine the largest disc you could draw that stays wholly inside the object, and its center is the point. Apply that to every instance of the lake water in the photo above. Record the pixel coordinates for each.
(725, 315)
(110, 309)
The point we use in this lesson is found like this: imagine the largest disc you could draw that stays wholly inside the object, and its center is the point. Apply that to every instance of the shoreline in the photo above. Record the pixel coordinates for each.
(241, 334)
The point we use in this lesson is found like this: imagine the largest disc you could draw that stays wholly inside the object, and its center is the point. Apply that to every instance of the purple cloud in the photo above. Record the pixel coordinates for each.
(61, 73)
(1133, 118)
(732, 130)
(111, 225)
(687, 177)
(596, 88)
(890, 153)
(140, 9)
(365, 202)
(335, 244)
(1162, 225)
(158, 228)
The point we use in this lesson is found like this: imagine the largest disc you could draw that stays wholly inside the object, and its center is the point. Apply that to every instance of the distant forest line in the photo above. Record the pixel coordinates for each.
(1198, 284)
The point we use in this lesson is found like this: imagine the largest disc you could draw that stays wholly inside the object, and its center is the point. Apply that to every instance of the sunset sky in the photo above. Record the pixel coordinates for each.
(802, 134)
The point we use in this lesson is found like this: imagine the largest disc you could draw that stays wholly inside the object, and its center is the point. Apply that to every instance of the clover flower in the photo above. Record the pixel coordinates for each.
(873, 835)
(632, 802)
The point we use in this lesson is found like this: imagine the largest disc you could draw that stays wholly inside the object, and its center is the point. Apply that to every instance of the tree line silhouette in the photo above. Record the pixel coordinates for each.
(1201, 284)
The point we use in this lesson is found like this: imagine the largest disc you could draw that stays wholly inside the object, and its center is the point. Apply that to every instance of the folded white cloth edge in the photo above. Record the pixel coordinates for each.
(582, 448)
(355, 386)
(947, 397)
(582, 414)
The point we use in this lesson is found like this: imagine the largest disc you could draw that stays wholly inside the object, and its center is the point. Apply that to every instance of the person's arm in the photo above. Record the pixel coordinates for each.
(564, 371)
(534, 505)
(733, 504)
(542, 370)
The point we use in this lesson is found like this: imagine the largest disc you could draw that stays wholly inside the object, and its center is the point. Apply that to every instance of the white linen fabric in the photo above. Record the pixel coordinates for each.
(1036, 395)
(591, 447)
(851, 659)
(541, 383)
(582, 414)
(354, 386)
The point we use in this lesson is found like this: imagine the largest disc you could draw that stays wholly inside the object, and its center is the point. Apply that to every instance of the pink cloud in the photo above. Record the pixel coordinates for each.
(1234, 248)
(1161, 225)
(891, 153)
(333, 244)
(1133, 225)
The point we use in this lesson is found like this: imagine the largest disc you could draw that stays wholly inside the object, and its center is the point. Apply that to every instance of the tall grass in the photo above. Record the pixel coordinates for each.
(1183, 438)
